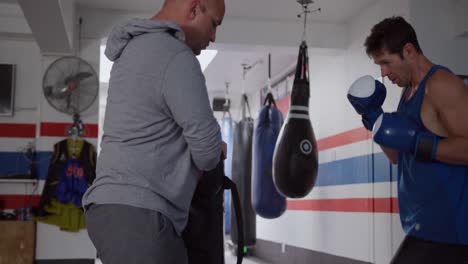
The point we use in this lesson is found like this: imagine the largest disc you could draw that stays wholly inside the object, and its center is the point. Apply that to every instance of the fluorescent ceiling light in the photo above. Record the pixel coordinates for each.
(205, 57)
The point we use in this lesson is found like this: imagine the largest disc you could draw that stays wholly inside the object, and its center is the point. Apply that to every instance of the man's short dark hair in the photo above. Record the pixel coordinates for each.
(391, 34)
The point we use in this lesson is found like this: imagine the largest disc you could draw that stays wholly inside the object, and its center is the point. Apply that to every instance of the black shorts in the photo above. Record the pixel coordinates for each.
(414, 251)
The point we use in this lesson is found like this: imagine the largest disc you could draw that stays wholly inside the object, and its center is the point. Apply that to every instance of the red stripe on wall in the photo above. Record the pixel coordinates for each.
(345, 138)
(283, 105)
(341, 139)
(18, 130)
(357, 205)
(18, 201)
(50, 129)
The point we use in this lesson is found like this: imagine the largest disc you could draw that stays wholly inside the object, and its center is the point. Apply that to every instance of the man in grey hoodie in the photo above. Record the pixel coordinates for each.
(159, 133)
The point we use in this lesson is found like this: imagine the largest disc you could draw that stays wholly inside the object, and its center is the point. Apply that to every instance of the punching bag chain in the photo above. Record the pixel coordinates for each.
(305, 11)
(227, 103)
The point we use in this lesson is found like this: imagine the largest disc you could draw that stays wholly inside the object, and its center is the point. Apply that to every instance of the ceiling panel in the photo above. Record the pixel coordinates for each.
(333, 11)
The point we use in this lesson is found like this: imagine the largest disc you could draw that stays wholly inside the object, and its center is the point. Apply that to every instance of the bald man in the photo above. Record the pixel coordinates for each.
(159, 132)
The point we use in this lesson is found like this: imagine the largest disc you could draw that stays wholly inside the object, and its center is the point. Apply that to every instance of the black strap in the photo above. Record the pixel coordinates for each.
(269, 99)
(246, 100)
(425, 148)
(302, 68)
(228, 184)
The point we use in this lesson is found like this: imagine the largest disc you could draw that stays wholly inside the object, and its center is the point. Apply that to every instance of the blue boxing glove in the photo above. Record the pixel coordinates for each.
(397, 131)
(367, 95)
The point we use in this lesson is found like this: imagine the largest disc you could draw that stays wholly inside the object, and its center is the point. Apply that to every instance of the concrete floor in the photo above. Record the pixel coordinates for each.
(229, 256)
(230, 259)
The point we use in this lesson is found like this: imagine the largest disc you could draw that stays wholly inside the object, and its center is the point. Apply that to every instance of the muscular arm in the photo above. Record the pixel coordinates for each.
(450, 97)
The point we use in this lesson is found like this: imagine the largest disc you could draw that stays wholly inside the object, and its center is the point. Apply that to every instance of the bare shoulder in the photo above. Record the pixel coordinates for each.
(445, 88)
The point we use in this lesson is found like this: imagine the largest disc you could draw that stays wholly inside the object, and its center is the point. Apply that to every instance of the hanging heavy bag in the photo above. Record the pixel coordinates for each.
(203, 235)
(226, 134)
(242, 176)
(295, 160)
(266, 200)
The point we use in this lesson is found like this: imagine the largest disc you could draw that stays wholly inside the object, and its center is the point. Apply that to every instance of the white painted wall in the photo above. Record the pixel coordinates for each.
(362, 236)
(327, 82)
(31, 107)
(378, 234)
(331, 75)
(461, 19)
(26, 56)
(435, 23)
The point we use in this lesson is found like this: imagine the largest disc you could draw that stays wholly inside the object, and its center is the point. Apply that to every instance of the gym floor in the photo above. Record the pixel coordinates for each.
(230, 259)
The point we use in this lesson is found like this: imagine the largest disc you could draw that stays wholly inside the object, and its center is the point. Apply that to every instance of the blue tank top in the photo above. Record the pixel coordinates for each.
(432, 196)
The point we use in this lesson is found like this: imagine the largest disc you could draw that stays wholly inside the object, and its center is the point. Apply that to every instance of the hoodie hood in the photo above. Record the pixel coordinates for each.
(122, 34)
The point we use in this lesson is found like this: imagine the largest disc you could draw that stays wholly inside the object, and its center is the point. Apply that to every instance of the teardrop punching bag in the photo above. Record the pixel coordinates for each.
(266, 200)
(242, 176)
(295, 161)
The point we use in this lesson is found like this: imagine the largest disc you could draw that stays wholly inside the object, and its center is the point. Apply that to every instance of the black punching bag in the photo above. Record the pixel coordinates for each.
(203, 235)
(295, 160)
(242, 175)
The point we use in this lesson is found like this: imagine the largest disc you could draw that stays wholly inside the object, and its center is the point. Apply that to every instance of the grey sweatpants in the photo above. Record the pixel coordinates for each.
(129, 235)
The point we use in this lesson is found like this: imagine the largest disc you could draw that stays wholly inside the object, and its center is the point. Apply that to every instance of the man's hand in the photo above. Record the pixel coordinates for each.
(224, 156)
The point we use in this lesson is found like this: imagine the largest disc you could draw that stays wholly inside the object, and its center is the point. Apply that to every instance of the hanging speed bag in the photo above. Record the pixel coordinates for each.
(295, 160)
(241, 176)
(266, 200)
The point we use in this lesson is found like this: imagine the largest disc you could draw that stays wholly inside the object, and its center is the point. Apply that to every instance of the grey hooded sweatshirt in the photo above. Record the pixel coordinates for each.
(159, 129)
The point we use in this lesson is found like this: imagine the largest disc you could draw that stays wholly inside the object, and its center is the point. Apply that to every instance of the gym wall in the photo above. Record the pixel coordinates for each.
(34, 121)
(351, 216)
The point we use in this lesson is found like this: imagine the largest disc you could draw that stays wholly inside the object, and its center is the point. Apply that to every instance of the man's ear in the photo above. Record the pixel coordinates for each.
(193, 4)
(409, 51)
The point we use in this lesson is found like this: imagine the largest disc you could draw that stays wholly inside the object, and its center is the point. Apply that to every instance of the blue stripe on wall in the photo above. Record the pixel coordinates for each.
(341, 172)
(16, 163)
(355, 170)
(44, 161)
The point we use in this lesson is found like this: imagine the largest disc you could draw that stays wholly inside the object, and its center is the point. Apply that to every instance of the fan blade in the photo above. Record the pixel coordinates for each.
(48, 90)
(65, 89)
(57, 94)
(81, 76)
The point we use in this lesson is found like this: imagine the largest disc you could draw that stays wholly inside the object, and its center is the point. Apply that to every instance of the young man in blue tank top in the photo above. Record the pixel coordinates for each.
(427, 137)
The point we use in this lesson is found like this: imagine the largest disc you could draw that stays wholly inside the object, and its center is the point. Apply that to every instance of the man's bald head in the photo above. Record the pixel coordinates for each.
(198, 19)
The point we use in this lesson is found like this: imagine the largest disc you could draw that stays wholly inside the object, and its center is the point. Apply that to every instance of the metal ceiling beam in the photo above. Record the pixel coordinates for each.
(51, 23)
